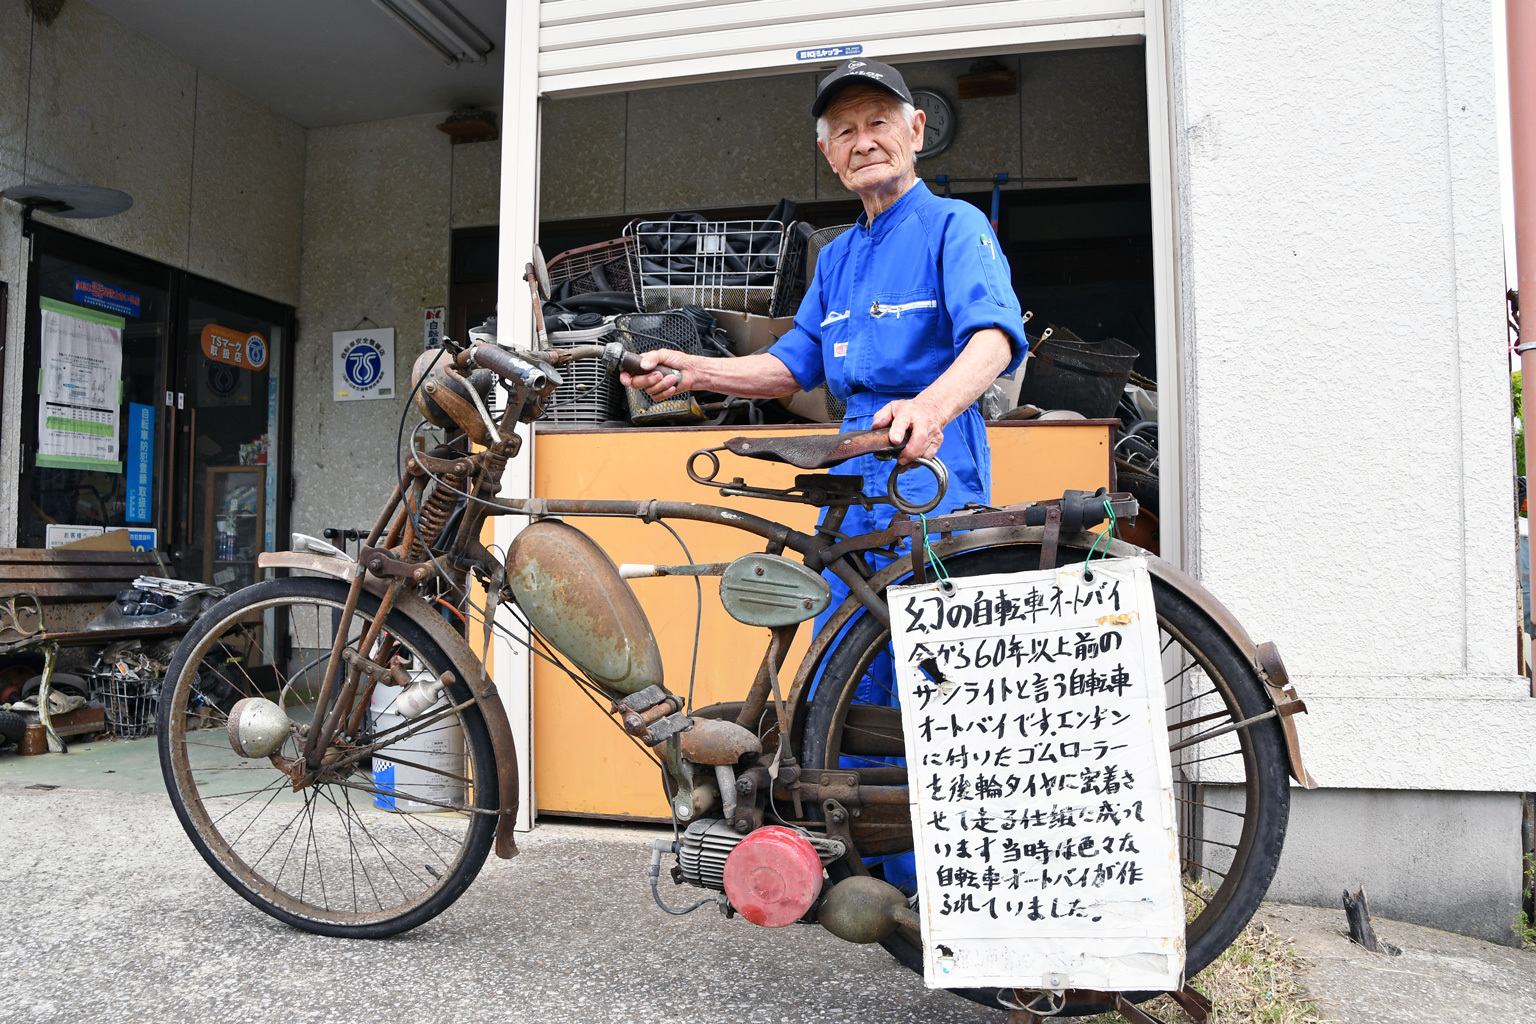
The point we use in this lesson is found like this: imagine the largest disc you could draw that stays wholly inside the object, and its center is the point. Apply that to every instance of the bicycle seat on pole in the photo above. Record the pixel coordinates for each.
(814, 451)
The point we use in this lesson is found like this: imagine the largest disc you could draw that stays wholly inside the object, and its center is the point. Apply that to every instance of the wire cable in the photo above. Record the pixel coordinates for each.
(698, 611)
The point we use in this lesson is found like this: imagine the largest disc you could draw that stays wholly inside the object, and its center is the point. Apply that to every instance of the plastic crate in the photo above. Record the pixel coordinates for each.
(604, 267)
(735, 264)
(590, 390)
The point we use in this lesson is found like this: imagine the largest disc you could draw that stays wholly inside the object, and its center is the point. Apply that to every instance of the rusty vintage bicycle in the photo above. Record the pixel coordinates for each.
(287, 697)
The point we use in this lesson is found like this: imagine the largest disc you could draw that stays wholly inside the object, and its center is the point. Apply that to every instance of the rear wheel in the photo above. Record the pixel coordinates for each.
(376, 845)
(1230, 831)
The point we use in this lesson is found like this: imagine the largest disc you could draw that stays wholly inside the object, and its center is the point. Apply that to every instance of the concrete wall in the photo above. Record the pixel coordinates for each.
(1350, 455)
(1447, 860)
(216, 180)
(750, 142)
(380, 200)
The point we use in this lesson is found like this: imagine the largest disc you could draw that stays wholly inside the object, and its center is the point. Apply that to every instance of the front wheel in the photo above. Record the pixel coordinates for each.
(1231, 792)
(378, 844)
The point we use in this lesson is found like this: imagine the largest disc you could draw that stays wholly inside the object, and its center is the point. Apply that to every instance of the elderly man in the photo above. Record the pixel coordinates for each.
(910, 315)
(909, 318)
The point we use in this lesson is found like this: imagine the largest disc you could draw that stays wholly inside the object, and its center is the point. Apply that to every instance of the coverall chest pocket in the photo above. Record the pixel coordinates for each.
(906, 352)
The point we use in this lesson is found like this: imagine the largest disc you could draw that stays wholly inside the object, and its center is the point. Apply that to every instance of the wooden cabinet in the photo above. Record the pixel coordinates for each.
(583, 764)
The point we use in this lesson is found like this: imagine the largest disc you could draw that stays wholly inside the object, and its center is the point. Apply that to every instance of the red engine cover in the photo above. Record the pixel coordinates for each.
(773, 876)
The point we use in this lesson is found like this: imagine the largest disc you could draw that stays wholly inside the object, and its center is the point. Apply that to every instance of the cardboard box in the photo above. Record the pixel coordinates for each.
(750, 333)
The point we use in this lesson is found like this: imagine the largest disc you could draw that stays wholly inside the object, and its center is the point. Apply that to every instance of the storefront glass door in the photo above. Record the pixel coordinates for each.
(226, 502)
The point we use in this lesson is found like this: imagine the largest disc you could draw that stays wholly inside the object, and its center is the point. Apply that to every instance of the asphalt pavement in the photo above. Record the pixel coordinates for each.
(108, 914)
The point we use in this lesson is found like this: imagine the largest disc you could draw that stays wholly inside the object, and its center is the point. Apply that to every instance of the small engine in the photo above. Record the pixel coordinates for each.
(709, 841)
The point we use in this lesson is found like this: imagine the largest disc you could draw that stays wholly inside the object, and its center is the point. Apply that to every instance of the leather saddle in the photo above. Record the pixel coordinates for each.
(814, 451)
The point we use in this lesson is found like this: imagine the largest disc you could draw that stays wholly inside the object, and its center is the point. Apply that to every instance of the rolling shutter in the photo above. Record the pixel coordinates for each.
(588, 46)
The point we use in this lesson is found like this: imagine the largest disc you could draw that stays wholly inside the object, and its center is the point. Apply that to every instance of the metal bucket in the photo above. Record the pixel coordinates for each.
(1086, 377)
(402, 785)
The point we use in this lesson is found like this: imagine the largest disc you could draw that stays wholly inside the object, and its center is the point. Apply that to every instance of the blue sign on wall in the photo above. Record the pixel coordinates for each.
(830, 52)
(104, 296)
(139, 462)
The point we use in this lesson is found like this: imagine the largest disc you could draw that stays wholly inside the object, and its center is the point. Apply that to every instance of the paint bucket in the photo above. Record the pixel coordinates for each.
(398, 768)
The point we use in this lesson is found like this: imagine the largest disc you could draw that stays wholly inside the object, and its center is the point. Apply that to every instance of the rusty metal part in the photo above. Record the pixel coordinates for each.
(773, 659)
(448, 399)
(975, 540)
(646, 570)
(713, 741)
(421, 463)
(465, 664)
(663, 729)
(433, 515)
(1050, 538)
(654, 704)
(318, 742)
(356, 575)
(1266, 658)
(382, 562)
(572, 594)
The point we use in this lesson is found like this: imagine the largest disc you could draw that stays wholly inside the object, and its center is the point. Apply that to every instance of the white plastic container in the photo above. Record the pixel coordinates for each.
(440, 746)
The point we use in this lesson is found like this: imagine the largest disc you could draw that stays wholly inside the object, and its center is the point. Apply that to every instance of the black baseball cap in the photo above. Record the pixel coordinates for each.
(851, 72)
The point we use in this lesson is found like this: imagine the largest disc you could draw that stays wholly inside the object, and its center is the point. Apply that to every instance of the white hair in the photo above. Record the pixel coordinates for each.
(907, 111)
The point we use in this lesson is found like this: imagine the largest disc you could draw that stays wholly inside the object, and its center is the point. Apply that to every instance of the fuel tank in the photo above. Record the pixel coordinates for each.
(571, 591)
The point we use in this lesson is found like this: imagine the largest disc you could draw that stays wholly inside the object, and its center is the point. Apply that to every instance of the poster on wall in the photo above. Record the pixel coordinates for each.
(138, 501)
(432, 327)
(79, 388)
(1041, 785)
(363, 364)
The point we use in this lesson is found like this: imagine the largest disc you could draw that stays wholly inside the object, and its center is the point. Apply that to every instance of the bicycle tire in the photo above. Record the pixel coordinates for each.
(202, 666)
(1266, 793)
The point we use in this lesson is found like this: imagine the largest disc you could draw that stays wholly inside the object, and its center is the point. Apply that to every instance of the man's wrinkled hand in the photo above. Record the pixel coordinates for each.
(915, 424)
(660, 385)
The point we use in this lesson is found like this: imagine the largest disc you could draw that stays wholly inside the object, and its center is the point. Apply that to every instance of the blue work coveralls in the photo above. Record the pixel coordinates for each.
(891, 307)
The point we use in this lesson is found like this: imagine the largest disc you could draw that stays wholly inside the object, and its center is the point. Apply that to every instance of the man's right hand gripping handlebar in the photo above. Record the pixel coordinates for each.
(645, 372)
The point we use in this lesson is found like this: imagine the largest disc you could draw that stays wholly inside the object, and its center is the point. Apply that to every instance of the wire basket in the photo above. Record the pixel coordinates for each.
(604, 267)
(589, 393)
(646, 332)
(132, 705)
(730, 264)
(817, 242)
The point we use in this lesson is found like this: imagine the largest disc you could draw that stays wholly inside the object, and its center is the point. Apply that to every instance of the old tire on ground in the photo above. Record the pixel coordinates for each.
(1229, 898)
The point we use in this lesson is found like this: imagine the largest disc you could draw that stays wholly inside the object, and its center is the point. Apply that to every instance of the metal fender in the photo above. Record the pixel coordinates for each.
(1265, 657)
(464, 661)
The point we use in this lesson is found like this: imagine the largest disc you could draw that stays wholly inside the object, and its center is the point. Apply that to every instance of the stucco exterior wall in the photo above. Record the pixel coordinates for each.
(216, 179)
(380, 201)
(1349, 458)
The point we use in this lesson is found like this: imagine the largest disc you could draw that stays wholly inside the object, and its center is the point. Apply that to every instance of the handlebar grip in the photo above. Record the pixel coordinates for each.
(630, 363)
(505, 364)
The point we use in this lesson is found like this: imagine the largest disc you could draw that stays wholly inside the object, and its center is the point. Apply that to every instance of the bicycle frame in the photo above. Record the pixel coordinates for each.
(405, 551)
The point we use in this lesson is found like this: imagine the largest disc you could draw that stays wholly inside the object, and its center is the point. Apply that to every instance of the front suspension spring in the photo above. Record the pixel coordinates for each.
(434, 515)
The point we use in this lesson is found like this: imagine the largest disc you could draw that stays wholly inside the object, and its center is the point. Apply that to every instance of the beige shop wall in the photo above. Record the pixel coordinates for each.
(380, 202)
(1077, 113)
(216, 179)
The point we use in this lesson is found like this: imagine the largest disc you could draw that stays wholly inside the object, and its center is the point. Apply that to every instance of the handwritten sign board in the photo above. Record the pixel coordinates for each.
(1042, 797)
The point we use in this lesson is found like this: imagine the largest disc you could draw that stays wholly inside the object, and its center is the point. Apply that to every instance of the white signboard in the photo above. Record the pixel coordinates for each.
(80, 388)
(432, 327)
(363, 364)
(1042, 797)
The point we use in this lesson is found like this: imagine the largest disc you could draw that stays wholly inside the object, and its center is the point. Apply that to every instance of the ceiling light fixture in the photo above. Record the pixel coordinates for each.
(440, 25)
